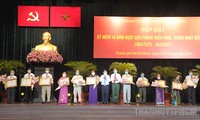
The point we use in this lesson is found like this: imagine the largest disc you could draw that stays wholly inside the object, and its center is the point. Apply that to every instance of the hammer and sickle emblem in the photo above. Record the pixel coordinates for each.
(33, 17)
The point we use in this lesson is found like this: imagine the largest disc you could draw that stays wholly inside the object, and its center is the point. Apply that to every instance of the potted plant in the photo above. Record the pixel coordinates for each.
(197, 69)
(7, 65)
(121, 66)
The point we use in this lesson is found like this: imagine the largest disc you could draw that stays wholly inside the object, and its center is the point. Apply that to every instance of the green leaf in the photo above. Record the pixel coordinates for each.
(164, 71)
(84, 67)
(121, 66)
(7, 65)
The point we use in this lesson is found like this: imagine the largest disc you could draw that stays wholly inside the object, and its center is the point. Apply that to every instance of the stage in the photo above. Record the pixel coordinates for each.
(53, 111)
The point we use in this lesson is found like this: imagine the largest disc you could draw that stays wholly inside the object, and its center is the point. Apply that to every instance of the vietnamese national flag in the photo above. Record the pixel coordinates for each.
(65, 16)
(33, 16)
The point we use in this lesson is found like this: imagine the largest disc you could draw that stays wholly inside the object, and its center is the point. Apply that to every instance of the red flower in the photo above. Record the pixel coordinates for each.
(44, 56)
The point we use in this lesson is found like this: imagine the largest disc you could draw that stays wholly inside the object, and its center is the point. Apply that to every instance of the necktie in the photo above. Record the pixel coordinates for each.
(104, 83)
(46, 75)
(115, 78)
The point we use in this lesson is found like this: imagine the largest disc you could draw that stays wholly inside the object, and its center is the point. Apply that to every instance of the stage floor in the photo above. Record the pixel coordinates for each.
(53, 111)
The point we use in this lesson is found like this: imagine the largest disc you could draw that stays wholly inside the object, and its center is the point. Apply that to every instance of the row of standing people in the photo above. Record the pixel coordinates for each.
(104, 80)
(116, 78)
(45, 90)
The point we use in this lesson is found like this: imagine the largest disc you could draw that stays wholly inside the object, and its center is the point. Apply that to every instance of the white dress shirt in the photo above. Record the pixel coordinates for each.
(11, 77)
(105, 79)
(76, 79)
(48, 75)
(29, 75)
(118, 76)
(192, 80)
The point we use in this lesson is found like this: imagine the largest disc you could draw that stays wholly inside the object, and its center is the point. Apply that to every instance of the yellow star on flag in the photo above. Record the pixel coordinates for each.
(65, 17)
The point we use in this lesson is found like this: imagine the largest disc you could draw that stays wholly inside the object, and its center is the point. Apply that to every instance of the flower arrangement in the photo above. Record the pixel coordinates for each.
(44, 56)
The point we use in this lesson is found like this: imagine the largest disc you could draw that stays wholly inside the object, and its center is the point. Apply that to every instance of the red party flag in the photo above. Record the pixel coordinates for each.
(33, 16)
(65, 16)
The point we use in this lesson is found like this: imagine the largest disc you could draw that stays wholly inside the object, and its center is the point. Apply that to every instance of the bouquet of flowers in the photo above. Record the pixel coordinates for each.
(44, 56)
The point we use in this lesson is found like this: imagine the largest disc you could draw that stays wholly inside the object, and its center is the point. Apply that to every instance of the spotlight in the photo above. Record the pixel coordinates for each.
(22, 93)
(69, 94)
(137, 98)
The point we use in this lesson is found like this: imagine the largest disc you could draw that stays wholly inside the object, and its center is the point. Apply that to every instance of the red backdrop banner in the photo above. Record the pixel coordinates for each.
(146, 37)
(65, 16)
(33, 16)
